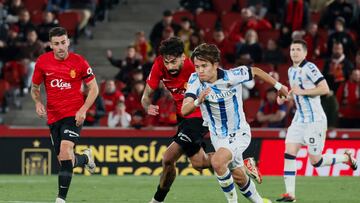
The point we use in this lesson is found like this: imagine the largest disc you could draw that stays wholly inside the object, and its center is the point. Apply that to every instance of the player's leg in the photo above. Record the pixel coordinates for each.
(66, 157)
(246, 185)
(316, 143)
(220, 161)
(190, 139)
(167, 177)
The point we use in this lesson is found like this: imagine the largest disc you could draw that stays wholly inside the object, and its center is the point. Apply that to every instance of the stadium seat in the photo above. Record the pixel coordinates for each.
(35, 5)
(37, 17)
(222, 7)
(229, 19)
(319, 63)
(70, 21)
(178, 15)
(266, 35)
(282, 69)
(251, 107)
(206, 21)
(14, 73)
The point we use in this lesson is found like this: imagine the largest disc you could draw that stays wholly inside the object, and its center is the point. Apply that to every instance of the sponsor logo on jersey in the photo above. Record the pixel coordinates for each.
(60, 84)
(72, 73)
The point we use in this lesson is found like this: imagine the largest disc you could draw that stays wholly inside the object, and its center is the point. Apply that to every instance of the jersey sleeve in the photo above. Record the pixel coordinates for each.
(193, 86)
(240, 74)
(87, 73)
(313, 73)
(38, 76)
(154, 77)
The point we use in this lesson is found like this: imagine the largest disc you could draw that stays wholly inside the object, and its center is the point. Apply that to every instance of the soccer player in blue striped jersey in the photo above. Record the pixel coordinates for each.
(218, 93)
(309, 124)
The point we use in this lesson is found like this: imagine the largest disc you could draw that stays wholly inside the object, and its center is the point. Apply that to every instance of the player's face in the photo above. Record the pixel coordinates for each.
(174, 64)
(60, 46)
(297, 53)
(207, 71)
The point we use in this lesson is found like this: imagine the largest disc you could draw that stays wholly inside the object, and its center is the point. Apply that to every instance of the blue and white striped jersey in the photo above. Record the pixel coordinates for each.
(308, 108)
(223, 107)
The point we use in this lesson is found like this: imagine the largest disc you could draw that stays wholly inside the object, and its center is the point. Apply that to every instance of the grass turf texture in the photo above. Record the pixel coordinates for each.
(195, 189)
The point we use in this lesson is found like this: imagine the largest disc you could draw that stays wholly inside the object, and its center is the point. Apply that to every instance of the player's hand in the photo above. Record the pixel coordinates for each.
(203, 95)
(153, 110)
(283, 92)
(40, 110)
(297, 90)
(80, 117)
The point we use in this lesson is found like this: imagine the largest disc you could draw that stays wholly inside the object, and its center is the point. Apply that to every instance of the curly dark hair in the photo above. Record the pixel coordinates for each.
(172, 47)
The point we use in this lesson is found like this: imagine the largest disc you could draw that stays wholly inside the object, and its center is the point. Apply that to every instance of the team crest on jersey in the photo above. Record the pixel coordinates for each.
(72, 73)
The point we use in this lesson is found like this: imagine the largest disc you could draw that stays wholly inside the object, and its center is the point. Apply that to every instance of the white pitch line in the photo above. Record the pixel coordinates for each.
(22, 202)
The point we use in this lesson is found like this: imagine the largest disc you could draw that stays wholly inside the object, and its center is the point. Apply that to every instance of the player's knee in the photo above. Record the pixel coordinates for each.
(66, 152)
(217, 164)
(168, 161)
(316, 162)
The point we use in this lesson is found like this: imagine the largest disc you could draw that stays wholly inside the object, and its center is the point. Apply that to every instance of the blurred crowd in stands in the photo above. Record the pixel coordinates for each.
(256, 33)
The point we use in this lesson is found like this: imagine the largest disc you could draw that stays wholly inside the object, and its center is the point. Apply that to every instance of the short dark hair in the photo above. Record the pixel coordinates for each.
(57, 32)
(167, 13)
(172, 46)
(206, 52)
(300, 41)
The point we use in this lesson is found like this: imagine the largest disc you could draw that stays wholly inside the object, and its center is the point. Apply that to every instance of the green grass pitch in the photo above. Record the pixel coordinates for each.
(194, 189)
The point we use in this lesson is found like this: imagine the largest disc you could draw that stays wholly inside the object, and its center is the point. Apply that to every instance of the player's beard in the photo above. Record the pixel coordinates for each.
(175, 73)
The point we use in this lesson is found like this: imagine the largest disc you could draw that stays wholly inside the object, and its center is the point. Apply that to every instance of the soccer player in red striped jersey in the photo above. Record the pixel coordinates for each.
(63, 73)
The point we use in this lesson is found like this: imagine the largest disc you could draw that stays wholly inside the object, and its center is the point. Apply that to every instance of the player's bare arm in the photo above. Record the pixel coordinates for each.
(321, 89)
(146, 102)
(189, 104)
(36, 96)
(93, 93)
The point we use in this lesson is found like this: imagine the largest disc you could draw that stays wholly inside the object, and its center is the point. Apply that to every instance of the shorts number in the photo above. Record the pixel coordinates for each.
(312, 140)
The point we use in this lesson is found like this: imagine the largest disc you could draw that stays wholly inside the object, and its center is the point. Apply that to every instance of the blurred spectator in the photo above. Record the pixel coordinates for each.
(96, 111)
(57, 6)
(185, 33)
(133, 99)
(146, 67)
(318, 5)
(111, 96)
(259, 10)
(297, 15)
(337, 69)
(195, 40)
(315, 42)
(29, 52)
(24, 24)
(341, 35)
(272, 54)
(227, 48)
(142, 46)
(49, 22)
(196, 6)
(14, 7)
(87, 10)
(271, 114)
(157, 31)
(11, 50)
(248, 21)
(119, 117)
(357, 60)
(348, 97)
(126, 66)
(138, 120)
(355, 22)
(337, 8)
(275, 12)
(167, 111)
(251, 46)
